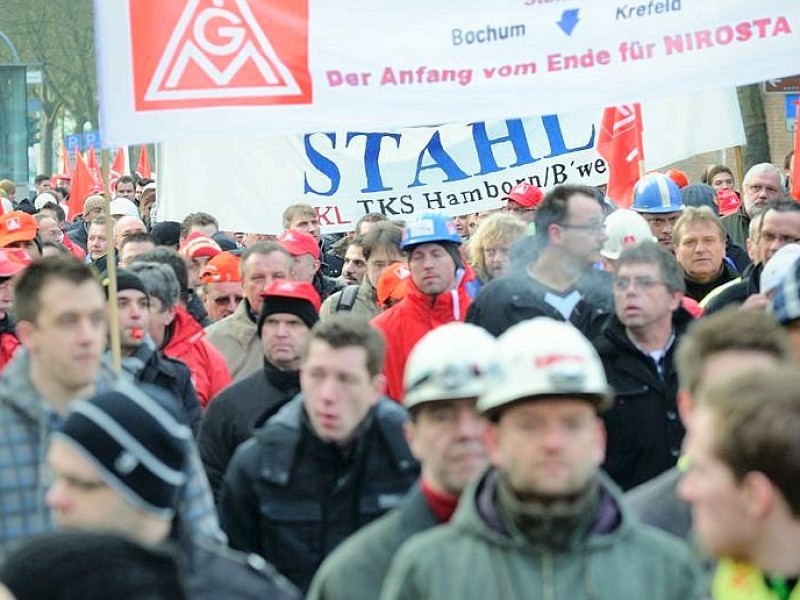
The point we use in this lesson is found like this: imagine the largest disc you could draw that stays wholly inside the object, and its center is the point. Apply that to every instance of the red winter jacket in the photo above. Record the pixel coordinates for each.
(188, 344)
(407, 321)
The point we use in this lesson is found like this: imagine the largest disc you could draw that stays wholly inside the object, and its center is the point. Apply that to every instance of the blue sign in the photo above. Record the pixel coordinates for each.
(791, 105)
(74, 142)
(91, 139)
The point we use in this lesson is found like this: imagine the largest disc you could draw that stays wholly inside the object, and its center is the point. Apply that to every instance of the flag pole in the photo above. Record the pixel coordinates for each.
(738, 161)
(111, 268)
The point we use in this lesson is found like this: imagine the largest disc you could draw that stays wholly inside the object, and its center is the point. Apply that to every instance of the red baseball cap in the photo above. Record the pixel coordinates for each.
(299, 243)
(13, 261)
(223, 268)
(17, 226)
(526, 195)
(680, 178)
(296, 290)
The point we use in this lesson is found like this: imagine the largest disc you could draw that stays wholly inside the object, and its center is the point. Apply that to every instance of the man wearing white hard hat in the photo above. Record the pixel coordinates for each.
(443, 380)
(543, 521)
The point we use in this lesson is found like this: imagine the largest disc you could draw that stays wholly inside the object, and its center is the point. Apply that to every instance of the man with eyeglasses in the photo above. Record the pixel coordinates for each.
(560, 282)
(762, 183)
(637, 347)
(222, 285)
(780, 226)
(522, 201)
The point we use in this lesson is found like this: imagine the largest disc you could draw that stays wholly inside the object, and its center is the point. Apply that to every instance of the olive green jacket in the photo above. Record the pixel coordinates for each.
(473, 559)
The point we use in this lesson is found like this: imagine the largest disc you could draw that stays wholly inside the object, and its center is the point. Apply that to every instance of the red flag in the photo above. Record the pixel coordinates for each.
(143, 167)
(117, 168)
(83, 184)
(620, 144)
(795, 190)
(66, 170)
(91, 162)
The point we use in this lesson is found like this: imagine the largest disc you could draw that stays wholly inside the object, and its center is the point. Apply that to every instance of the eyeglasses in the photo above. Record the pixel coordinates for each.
(590, 227)
(770, 189)
(225, 300)
(640, 284)
(518, 210)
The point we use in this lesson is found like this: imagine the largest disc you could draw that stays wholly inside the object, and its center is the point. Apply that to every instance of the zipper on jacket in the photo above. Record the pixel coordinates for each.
(548, 583)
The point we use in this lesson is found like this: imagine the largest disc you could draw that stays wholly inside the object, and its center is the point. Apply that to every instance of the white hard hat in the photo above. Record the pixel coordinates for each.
(122, 207)
(456, 360)
(624, 228)
(778, 266)
(545, 357)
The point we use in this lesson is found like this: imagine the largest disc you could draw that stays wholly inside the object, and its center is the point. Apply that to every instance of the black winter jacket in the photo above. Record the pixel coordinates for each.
(292, 498)
(644, 429)
(517, 297)
(237, 411)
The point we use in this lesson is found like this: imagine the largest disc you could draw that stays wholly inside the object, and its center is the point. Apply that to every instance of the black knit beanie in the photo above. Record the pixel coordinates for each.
(293, 306)
(138, 447)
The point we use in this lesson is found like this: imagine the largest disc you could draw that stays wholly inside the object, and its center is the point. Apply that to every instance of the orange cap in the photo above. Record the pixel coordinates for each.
(392, 283)
(17, 226)
(223, 268)
(678, 176)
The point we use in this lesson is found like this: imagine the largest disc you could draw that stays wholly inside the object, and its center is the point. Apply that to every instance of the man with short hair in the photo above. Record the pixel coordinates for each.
(140, 356)
(132, 245)
(41, 184)
(443, 382)
(200, 222)
(658, 199)
(97, 243)
(222, 285)
(126, 226)
(381, 248)
(62, 324)
(742, 452)
(329, 462)
(435, 293)
(637, 347)
(355, 265)
(543, 520)
(762, 182)
(288, 312)
(713, 348)
(118, 464)
(560, 282)
(779, 226)
(236, 336)
(699, 243)
(124, 187)
(303, 217)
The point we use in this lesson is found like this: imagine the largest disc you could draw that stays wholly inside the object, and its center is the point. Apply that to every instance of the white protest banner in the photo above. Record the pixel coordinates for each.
(202, 68)
(247, 183)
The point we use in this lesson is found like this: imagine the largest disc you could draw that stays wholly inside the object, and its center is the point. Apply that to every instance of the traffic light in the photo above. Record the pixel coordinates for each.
(34, 127)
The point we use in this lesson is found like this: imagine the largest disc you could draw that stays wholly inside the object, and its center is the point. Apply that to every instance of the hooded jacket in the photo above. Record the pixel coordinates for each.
(25, 426)
(475, 556)
(188, 344)
(404, 324)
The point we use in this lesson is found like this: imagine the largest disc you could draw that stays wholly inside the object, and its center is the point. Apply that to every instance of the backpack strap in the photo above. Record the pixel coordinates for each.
(347, 298)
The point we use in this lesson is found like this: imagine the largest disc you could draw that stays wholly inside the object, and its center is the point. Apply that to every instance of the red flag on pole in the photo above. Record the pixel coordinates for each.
(795, 189)
(83, 184)
(92, 163)
(117, 168)
(143, 166)
(620, 144)
(65, 174)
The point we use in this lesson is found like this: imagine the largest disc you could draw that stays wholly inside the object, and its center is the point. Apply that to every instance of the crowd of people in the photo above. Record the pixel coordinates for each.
(559, 398)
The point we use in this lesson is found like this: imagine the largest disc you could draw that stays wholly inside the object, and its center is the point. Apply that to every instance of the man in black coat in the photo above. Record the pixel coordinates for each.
(141, 358)
(637, 347)
(288, 312)
(445, 434)
(557, 279)
(330, 461)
